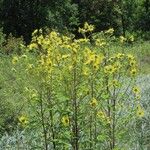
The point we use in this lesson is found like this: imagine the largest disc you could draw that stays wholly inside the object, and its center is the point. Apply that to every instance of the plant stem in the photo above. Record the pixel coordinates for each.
(75, 114)
(43, 124)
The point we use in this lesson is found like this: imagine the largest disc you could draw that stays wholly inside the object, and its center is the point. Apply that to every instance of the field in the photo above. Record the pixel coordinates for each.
(36, 112)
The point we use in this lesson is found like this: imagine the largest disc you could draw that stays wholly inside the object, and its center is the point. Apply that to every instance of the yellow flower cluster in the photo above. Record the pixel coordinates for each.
(91, 58)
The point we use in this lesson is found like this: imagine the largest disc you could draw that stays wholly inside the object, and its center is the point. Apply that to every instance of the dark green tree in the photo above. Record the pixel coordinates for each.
(21, 17)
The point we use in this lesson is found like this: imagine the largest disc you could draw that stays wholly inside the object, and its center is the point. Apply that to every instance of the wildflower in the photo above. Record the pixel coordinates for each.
(33, 46)
(140, 112)
(90, 58)
(101, 114)
(136, 90)
(23, 120)
(86, 71)
(120, 55)
(132, 63)
(111, 59)
(109, 69)
(130, 57)
(133, 72)
(117, 66)
(65, 120)
(122, 39)
(15, 60)
(93, 102)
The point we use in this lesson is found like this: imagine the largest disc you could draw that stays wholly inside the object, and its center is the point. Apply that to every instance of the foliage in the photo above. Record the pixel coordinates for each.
(12, 45)
(2, 38)
(21, 17)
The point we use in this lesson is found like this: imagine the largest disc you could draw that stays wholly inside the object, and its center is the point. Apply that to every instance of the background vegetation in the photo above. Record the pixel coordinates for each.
(21, 17)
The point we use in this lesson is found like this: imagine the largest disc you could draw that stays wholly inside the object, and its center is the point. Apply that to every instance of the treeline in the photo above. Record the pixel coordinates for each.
(21, 17)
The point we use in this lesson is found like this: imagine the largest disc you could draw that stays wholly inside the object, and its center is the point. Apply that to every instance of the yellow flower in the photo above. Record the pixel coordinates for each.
(33, 46)
(86, 71)
(132, 63)
(140, 112)
(90, 57)
(23, 120)
(109, 69)
(93, 102)
(133, 72)
(130, 57)
(65, 120)
(120, 55)
(15, 60)
(102, 115)
(136, 90)
(122, 39)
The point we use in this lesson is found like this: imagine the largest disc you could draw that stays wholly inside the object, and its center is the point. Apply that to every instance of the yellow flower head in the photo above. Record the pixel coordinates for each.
(93, 102)
(101, 114)
(120, 55)
(130, 57)
(23, 120)
(65, 120)
(140, 112)
(136, 90)
(122, 39)
(15, 60)
(86, 71)
(133, 72)
(33, 46)
(109, 69)
(132, 63)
